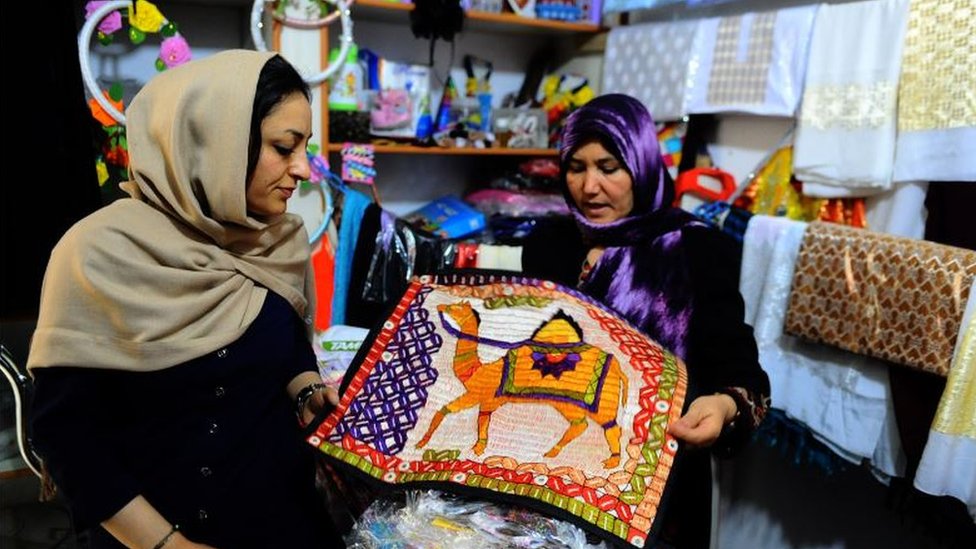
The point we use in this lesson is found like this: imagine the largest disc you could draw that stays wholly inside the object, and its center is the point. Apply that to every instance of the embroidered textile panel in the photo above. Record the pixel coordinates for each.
(889, 297)
(650, 62)
(515, 389)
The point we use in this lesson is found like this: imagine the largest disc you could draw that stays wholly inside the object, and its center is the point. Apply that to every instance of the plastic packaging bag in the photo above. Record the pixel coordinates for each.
(433, 520)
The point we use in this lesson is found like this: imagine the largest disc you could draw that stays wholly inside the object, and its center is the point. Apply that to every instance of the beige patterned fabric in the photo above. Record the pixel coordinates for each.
(739, 74)
(893, 298)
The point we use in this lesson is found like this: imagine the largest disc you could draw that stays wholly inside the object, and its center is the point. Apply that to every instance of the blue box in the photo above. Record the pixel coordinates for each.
(449, 217)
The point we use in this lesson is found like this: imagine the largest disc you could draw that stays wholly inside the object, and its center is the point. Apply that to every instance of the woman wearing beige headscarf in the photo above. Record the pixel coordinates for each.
(171, 352)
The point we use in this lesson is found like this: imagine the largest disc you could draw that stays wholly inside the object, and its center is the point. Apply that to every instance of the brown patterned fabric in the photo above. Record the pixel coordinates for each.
(889, 297)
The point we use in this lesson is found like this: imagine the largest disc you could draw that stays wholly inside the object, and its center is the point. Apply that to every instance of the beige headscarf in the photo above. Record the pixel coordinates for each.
(179, 269)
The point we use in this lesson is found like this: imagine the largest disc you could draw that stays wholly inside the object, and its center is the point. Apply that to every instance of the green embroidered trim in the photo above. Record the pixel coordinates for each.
(441, 455)
(515, 301)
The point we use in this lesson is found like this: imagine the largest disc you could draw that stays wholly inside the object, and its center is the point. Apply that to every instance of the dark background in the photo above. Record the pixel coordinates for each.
(48, 164)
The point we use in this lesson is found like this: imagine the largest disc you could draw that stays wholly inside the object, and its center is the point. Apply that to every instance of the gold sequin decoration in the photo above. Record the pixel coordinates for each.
(956, 415)
(773, 191)
(938, 78)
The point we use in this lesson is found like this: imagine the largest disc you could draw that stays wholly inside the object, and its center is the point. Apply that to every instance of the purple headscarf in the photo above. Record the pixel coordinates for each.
(642, 274)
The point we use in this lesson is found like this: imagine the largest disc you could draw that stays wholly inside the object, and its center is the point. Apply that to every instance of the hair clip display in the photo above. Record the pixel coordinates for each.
(357, 163)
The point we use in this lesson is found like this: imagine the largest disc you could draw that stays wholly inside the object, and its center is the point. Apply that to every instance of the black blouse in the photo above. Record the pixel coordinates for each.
(721, 357)
(213, 444)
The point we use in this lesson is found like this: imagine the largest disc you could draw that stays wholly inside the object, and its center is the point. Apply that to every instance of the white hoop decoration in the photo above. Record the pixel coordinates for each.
(84, 41)
(345, 38)
(328, 209)
(298, 23)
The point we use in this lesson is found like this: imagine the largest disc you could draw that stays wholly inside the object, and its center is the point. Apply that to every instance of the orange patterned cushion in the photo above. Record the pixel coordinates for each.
(889, 297)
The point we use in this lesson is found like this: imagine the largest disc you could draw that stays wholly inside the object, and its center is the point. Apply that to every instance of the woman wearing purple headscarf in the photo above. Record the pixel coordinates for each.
(674, 278)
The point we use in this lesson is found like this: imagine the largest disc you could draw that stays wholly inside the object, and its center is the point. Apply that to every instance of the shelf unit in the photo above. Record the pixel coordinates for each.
(381, 10)
(506, 23)
(464, 151)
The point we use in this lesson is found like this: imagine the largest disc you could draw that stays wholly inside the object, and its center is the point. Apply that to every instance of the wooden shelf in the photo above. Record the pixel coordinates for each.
(381, 10)
(411, 149)
(20, 472)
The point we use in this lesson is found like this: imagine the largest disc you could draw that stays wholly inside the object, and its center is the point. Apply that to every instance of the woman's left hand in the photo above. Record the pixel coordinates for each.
(320, 400)
(702, 423)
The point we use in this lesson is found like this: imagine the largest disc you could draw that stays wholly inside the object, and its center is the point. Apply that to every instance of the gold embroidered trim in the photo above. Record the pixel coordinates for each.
(849, 107)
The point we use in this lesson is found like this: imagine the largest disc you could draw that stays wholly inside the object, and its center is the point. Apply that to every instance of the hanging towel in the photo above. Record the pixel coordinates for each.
(751, 63)
(650, 62)
(845, 138)
(893, 298)
(937, 93)
(841, 397)
(948, 465)
(353, 208)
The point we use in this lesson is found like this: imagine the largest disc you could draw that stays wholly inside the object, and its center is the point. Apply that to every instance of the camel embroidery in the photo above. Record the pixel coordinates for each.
(553, 367)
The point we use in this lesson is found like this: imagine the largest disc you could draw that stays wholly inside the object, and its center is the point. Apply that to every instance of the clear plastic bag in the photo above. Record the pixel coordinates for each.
(434, 520)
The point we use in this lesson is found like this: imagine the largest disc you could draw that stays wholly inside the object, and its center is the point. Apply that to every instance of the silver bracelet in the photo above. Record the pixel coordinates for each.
(162, 542)
(301, 399)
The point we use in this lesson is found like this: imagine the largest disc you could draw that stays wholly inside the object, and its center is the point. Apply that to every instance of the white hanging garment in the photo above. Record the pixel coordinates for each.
(948, 465)
(842, 397)
(898, 211)
(937, 93)
(845, 137)
(752, 63)
(650, 62)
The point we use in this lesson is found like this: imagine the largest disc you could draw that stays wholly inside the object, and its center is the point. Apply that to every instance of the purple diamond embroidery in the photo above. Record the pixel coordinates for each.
(386, 408)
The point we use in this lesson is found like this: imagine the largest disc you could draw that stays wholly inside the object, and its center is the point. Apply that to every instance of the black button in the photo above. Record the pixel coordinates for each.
(202, 513)
(205, 471)
(219, 391)
(213, 428)
(222, 353)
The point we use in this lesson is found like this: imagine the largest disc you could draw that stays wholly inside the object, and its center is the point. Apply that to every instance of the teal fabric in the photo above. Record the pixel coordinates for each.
(353, 208)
